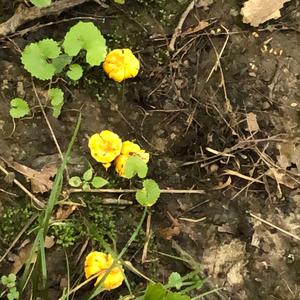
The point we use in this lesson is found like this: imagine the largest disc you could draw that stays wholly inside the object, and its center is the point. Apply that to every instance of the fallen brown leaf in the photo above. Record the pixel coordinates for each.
(173, 230)
(252, 122)
(223, 185)
(282, 178)
(289, 156)
(256, 12)
(199, 27)
(21, 258)
(63, 212)
(49, 241)
(169, 232)
(40, 180)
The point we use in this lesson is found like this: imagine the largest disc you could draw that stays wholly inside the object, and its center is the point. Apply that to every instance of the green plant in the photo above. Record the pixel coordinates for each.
(18, 108)
(41, 3)
(135, 166)
(10, 283)
(44, 59)
(119, 1)
(37, 58)
(87, 180)
(12, 219)
(38, 272)
(75, 72)
(57, 100)
(66, 233)
(156, 291)
(88, 37)
(149, 194)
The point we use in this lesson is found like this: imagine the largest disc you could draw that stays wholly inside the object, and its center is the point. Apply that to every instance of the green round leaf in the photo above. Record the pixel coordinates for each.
(57, 100)
(56, 95)
(36, 58)
(155, 291)
(75, 72)
(86, 186)
(57, 110)
(87, 176)
(120, 1)
(175, 280)
(75, 181)
(4, 280)
(85, 35)
(98, 182)
(135, 165)
(60, 62)
(149, 194)
(12, 277)
(41, 3)
(18, 108)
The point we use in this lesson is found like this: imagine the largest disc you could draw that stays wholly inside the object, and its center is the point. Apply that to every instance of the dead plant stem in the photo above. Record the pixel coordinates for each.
(39, 203)
(274, 226)
(123, 191)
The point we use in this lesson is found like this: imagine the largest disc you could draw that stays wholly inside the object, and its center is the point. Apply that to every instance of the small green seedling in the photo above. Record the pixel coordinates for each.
(37, 58)
(18, 108)
(149, 194)
(75, 72)
(61, 62)
(86, 36)
(183, 285)
(87, 181)
(175, 280)
(57, 100)
(158, 291)
(10, 283)
(41, 3)
(135, 166)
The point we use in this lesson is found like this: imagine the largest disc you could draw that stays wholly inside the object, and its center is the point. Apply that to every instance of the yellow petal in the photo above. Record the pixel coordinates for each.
(105, 146)
(113, 280)
(121, 64)
(96, 262)
(120, 164)
(129, 148)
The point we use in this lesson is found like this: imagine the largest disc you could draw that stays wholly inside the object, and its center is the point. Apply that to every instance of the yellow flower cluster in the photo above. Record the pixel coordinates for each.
(98, 263)
(121, 64)
(107, 147)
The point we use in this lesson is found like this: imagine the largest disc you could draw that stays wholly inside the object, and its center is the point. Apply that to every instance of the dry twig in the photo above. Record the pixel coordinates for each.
(274, 226)
(178, 28)
(39, 203)
(123, 191)
(25, 14)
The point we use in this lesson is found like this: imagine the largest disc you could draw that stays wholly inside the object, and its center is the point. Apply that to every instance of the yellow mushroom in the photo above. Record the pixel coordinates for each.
(98, 263)
(129, 149)
(105, 147)
(121, 64)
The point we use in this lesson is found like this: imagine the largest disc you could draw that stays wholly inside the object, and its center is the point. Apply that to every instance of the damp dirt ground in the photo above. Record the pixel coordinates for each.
(220, 114)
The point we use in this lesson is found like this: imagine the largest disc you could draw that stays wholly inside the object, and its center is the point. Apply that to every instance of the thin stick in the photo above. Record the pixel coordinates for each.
(48, 123)
(274, 226)
(116, 191)
(39, 203)
(18, 236)
(148, 236)
(178, 28)
(25, 14)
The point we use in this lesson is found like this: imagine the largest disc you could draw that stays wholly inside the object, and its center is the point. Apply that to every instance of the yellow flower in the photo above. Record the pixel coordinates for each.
(129, 149)
(121, 64)
(105, 147)
(98, 263)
